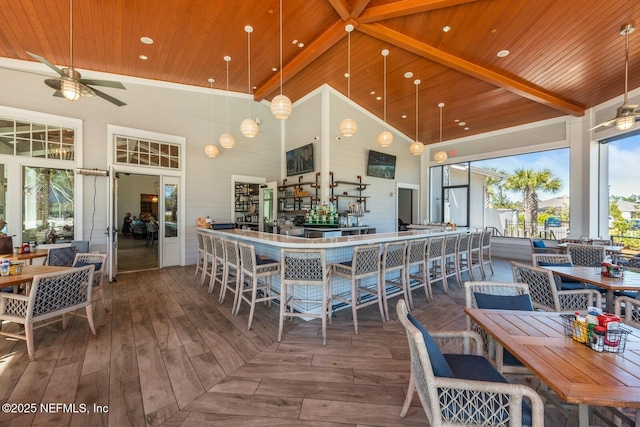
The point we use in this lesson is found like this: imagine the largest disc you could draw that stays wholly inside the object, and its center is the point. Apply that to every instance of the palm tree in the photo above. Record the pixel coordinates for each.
(529, 182)
(492, 187)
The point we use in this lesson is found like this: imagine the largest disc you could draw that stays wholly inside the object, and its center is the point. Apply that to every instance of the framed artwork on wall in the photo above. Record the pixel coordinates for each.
(300, 160)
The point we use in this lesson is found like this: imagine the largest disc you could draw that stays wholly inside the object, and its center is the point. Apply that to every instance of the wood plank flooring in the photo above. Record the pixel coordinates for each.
(167, 354)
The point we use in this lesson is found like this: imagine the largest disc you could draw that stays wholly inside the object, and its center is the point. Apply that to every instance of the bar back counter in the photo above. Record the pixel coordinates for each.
(337, 249)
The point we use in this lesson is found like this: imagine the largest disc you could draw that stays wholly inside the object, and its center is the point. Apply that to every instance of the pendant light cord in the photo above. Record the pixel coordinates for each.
(211, 111)
(384, 87)
(441, 123)
(417, 82)
(249, 66)
(227, 98)
(349, 65)
(626, 67)
(280, 47)
(71, 34)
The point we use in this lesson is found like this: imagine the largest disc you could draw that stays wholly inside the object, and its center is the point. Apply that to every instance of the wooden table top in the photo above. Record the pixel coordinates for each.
(28, 256)
(28, 271)
(607, 248)
(574, 371)
(591, 275)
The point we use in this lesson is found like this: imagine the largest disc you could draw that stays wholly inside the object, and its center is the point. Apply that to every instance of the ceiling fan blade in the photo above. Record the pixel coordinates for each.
(108, 98)
(607, 123)
(47, 63)
(105, 83)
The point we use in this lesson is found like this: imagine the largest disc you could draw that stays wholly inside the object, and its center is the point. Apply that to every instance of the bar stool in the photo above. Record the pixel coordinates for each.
(449, 257)
(218, 261)
(231, 271)
(304, 268)
(462, 257)
(485, 252)
(365, 264)
(416, 258)
(200, 257)
(435, 267)
(255, 268)
(394, 259)
(475, 254)
(208, 259)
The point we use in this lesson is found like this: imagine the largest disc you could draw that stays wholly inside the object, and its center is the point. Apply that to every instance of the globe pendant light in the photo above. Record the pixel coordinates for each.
(226, 139)
(417, 147)
(249, 127)
(385, 138)
(281, 106)
(440, 156)
(348, 127)
(211, 150)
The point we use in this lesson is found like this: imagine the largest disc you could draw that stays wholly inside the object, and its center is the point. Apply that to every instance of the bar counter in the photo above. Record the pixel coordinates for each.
(337, 249)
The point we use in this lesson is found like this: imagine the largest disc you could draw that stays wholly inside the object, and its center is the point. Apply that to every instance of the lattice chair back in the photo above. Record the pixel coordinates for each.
(54, 293)
(99, 262)
(450, 244)
(476, 241)
(366, 261)
(434, 248)
(247, 258)
(463, 243)
(304, 266)
(200, 237)
(416, 251)
(393, 257)
(542, 286)
(61, 257)
(551, 259)
(218, 248)
(232, 253)
(208, 248)
(586, 255)
(486, 239)
(629, 311)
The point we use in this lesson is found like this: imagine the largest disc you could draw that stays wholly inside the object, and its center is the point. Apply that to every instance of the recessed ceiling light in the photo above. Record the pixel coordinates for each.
(300, 44)
(211, 80)
(295, 41)
(456, 120)
(466, 128)
(143, 57)
(461, 124)
(441, 104)
(446, 28)
(408, 75)
(274, 69)
(146, 40)
(378, 98)
(346, 75)
(373, 92)
(503, 53)
(404, 116)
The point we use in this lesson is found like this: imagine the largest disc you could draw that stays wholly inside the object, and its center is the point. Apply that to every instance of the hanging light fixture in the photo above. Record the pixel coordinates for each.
(417, 147)
(211, 150)
(348, 127)
(281, 106)
(385, 138)
(226, 139)
(440, 156)
(249, 127)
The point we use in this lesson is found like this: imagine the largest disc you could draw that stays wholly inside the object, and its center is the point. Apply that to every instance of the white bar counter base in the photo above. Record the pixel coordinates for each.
(337, 249)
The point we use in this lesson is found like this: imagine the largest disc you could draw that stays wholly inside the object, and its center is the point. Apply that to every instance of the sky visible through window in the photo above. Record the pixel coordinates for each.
(557, 161)
(624, 167)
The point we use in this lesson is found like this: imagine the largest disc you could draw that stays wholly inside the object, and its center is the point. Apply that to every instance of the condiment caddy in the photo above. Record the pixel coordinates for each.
(600, 331)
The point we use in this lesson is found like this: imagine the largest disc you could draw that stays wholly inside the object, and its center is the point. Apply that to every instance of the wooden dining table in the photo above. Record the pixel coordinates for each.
(576, 373)
(592, 276)
(29, 256)
(610, 249)
(27, 275)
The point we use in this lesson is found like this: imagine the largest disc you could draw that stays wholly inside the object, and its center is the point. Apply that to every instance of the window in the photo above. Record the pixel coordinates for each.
(30, 139)
(48, 205)
(140, 152)
(518, 196)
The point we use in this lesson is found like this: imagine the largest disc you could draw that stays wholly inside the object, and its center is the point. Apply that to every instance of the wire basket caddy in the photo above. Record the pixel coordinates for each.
(609, 341)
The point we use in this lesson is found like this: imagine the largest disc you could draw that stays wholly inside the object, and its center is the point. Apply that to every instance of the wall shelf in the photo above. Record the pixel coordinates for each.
(358, 197)
(292, 198)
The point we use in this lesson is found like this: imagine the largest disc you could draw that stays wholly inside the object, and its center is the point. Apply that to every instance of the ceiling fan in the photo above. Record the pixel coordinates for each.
(69, 84)
(626, 114)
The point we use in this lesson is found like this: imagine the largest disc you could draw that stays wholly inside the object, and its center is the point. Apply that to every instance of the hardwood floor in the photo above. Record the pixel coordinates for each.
(135, 255)
(167, 354)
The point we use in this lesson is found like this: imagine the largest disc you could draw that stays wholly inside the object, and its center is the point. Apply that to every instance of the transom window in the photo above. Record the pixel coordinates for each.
(32, 139)
(140, 152)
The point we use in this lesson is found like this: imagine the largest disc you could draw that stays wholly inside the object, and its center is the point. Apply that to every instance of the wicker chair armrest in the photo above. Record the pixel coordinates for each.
(569, 299)
(466, 342)
(514, 392)
(10, 302)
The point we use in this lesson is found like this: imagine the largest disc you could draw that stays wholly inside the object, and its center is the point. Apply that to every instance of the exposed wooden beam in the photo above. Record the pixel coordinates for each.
(404, 8)
(311, 52)
(358, 7)
(342, 8)
(517, 86)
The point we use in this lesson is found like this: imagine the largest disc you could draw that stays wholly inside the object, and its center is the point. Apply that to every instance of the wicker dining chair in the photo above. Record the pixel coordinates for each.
(99, 262)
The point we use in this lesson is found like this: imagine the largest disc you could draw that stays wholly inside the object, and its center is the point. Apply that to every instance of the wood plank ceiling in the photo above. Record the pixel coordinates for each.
(565, 55)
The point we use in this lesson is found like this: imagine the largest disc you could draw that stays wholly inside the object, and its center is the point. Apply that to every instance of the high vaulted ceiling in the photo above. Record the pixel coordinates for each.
(565, 55)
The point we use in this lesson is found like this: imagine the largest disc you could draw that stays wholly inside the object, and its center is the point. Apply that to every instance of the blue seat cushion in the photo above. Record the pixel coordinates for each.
(262, 261)
(438, 362)
(538, 244)
(96, 265)
(347, 263)
(504, 302)
(477, 368)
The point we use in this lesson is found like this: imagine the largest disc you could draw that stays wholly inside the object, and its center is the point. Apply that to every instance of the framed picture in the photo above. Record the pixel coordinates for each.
(381, 165)
(300, 160)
